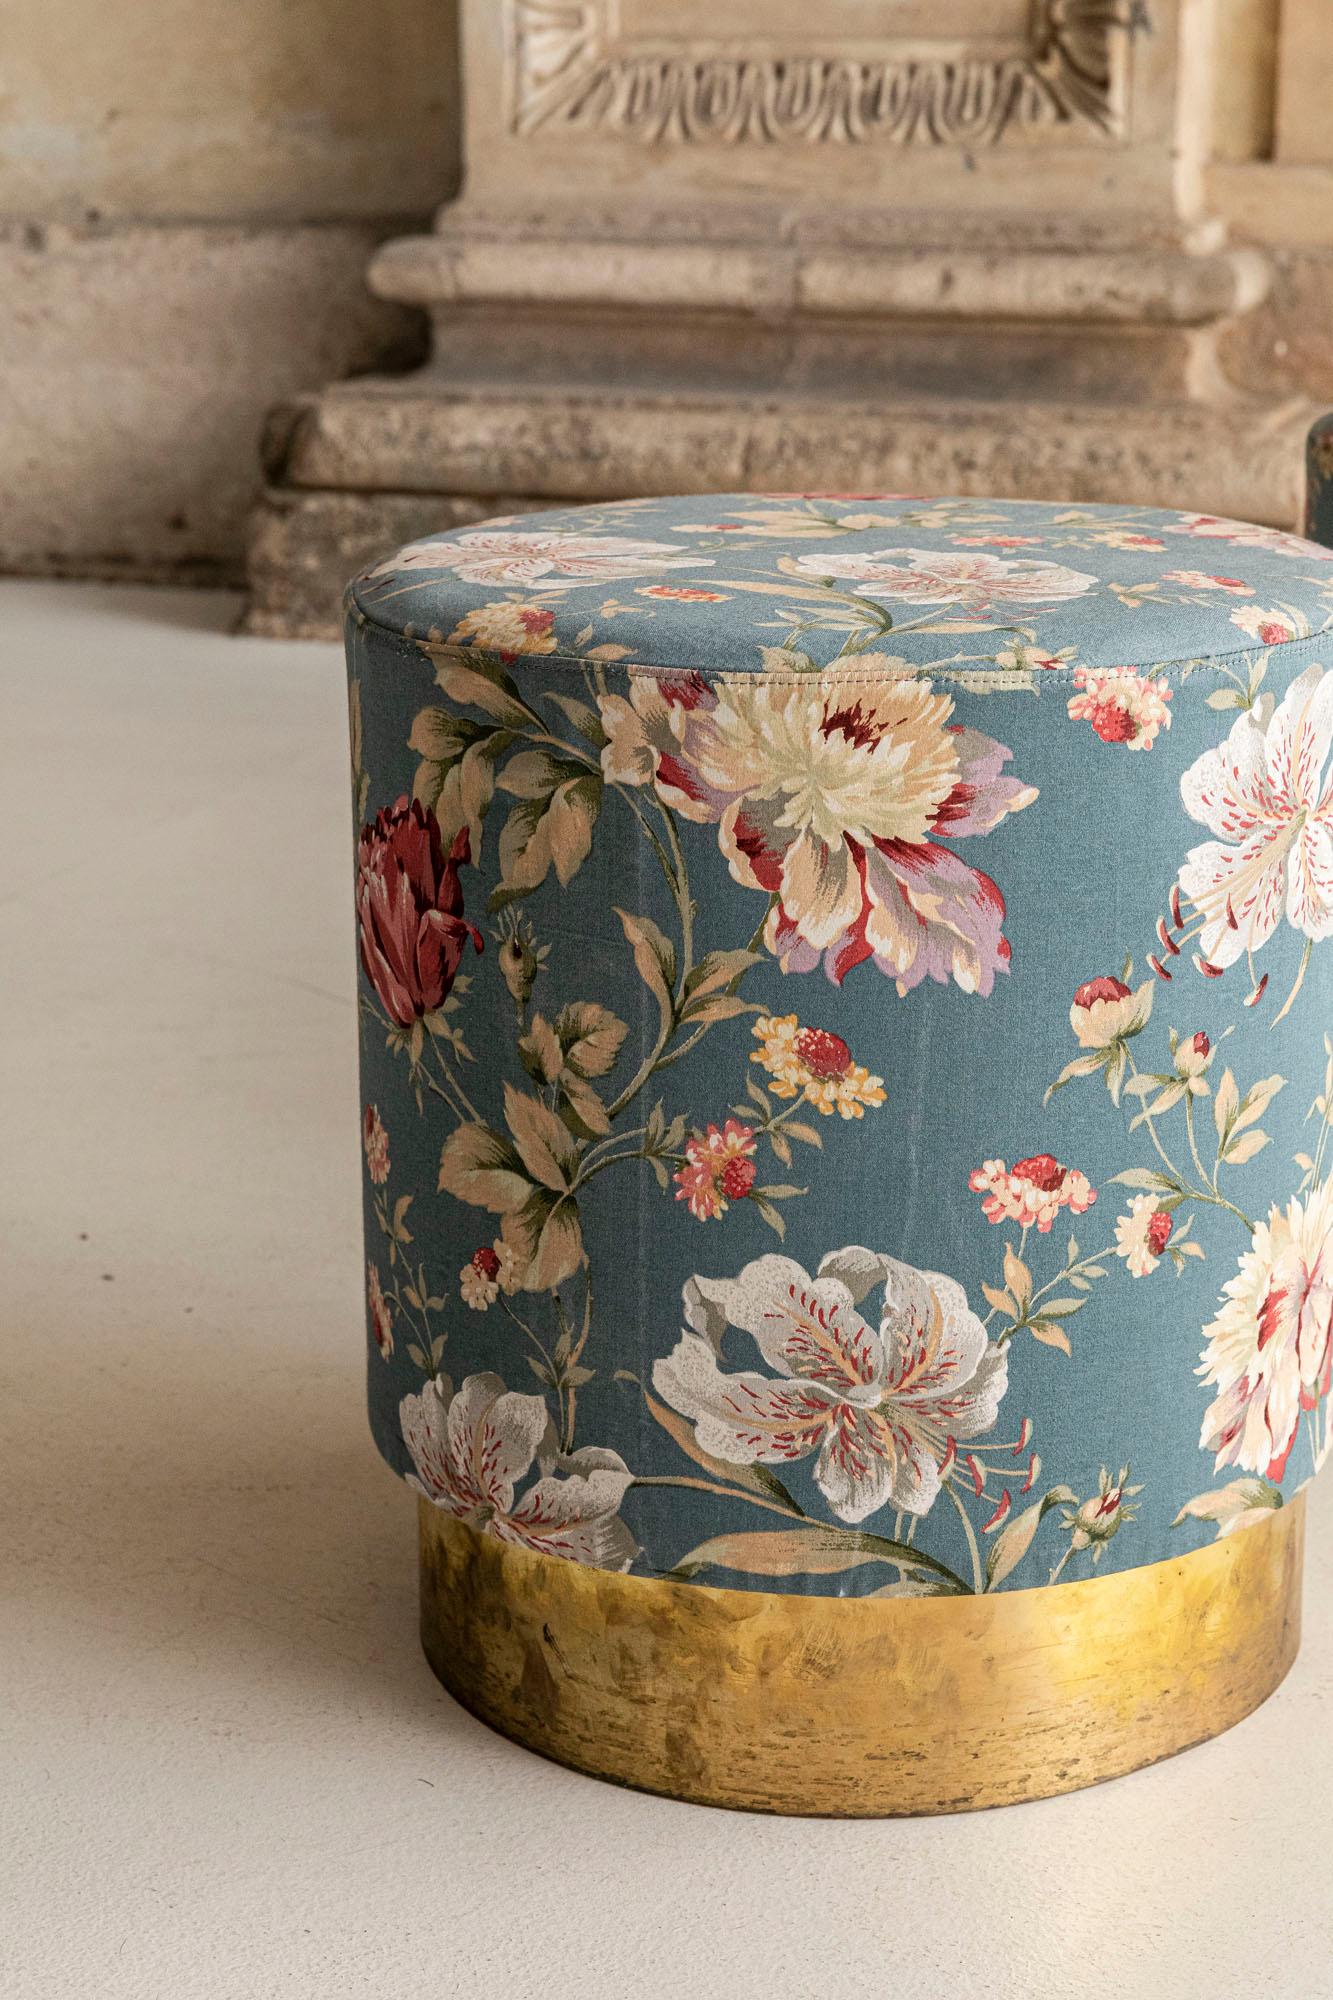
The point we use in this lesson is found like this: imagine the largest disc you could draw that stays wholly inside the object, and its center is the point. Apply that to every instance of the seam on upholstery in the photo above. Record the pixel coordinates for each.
(986, 680)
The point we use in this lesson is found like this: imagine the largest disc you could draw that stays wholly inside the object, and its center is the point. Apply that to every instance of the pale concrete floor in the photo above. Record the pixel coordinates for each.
(224, 1767)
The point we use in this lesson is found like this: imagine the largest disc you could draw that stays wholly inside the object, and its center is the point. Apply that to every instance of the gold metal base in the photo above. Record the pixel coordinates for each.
(860, 1707)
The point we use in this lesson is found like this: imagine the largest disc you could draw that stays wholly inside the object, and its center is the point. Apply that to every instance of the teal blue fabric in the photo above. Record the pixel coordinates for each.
(845, 996)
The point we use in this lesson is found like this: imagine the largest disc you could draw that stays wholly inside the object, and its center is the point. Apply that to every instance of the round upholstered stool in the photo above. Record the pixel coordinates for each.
(845, 998)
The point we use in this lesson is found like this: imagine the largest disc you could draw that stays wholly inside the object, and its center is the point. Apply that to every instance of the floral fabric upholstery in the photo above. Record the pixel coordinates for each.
(845, 1014)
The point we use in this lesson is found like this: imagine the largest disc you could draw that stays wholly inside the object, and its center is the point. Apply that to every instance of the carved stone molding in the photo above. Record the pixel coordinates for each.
(575, 67)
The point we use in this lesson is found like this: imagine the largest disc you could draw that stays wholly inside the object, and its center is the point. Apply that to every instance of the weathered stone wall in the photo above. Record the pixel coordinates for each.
(189, 198)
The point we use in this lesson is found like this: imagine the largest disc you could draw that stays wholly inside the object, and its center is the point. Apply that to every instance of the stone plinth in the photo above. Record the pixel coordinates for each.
(709, 247)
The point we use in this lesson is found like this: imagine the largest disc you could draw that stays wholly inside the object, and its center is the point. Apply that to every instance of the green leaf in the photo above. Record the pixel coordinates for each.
(1146, 1177)
(1244, 1148)
(810, 1551)
(717, 969)
(559, 1251)
(1226, 1103)
(585, 719)
(1049, 1334)
(546, 1146)
(1017, 1276)
(480, 1167)
(540, 1051)
(534, 774)
(525, 851)
(591, 1036)
(475, 682)
(714, 1007)
(1256, 1101)
(1015, 1539)
(572, 816)
(438, 735)
(1087, 1065)
(1226, 1504)
(460, 793)
(545, 829)
(547, 1239)
(752, 1478)
(1115, 1072)
(654, 959)
(586, 1105)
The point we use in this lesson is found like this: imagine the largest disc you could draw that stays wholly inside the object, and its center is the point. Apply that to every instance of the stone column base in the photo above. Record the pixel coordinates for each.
(367, 465)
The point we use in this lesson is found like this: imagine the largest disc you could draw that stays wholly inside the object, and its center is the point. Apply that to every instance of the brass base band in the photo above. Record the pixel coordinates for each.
(860, 1707)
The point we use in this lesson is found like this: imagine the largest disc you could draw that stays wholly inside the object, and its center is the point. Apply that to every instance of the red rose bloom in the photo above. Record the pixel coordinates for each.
(409, 906)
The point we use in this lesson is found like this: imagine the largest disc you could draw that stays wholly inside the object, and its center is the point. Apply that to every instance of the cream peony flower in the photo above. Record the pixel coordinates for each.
(833, 794)
(508, 628)
(1142, 1234)
(1104, 1011)
(1271, 1344)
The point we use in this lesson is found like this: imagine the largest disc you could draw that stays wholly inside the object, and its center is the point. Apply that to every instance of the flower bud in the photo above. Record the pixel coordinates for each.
(1105, 1011)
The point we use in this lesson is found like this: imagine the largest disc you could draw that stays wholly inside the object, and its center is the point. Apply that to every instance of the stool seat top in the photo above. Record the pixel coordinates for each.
(789, 583)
